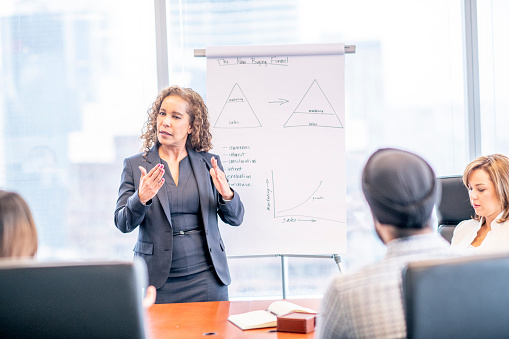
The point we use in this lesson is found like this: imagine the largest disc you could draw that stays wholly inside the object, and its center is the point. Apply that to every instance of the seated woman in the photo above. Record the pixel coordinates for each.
(18, 235)
(487, 181)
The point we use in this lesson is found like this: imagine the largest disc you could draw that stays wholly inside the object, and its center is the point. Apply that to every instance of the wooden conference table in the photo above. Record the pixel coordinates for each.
(210, 320)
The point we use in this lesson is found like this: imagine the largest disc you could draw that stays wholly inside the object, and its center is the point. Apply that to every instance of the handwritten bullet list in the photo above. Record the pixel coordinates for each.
(238, 171)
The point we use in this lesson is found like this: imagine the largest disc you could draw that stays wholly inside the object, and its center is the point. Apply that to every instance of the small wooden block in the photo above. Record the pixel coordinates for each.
(296, 322)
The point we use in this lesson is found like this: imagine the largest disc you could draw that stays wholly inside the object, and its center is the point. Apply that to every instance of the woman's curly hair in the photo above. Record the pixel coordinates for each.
(200, 138)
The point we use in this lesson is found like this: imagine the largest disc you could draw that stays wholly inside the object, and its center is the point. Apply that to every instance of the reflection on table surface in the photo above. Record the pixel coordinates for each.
(210, 319)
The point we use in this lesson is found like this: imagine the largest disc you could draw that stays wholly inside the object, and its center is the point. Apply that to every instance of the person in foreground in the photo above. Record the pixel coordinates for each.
(401, 190)
(18, 234)
(174, 191)
(487, 181)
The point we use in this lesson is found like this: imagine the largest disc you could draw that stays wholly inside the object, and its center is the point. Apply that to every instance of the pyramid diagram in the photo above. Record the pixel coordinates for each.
(237, 112)
(314, 110)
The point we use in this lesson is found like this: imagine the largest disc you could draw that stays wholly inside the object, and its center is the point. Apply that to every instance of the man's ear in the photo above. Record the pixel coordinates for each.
(382, 231)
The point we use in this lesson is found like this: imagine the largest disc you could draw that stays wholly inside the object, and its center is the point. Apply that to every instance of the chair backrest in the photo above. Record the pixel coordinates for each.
(72, 300)
(454, 205)
(457, 298)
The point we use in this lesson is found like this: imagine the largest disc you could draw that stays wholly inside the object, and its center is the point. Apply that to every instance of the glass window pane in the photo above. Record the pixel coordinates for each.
(309, 277)
(258, 277)
(76, 78)
(404, 85)
(493, 30)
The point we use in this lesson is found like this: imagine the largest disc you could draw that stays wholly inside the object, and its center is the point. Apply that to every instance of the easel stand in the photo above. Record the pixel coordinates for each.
(284, 264)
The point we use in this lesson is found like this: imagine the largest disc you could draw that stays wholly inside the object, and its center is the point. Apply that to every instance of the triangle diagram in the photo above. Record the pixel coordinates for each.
(314, 110)
(237, 112)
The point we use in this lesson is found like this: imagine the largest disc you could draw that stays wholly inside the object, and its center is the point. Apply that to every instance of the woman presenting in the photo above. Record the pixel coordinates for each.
(174, 190)
(487, 181)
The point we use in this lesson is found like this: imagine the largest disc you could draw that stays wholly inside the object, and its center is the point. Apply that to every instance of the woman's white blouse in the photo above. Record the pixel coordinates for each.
(497, 240)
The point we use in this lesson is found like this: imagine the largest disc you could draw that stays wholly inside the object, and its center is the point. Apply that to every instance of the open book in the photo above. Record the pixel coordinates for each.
(266, 318)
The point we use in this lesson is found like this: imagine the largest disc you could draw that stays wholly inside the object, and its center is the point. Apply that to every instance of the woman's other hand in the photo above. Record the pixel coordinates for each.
(150, 297)
(219, 179)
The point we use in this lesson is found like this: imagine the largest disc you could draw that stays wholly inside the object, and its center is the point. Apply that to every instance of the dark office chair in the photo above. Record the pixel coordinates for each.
(454, 205)
(72, 300)
(464, 297)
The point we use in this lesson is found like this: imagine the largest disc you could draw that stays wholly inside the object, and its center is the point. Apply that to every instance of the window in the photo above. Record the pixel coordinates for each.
(77, 78)
(404, 88)
(493, 75)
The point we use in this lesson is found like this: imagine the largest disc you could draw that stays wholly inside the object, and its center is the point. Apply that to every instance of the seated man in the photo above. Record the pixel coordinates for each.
(401, 190)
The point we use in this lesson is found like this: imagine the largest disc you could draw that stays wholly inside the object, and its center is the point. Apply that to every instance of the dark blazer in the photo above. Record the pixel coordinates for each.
(155, 237)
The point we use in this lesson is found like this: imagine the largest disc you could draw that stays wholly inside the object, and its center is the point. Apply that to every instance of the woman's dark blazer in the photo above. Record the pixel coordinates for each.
(155, 236)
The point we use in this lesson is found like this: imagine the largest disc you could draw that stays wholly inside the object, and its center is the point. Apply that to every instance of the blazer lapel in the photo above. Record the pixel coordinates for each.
(201, 171)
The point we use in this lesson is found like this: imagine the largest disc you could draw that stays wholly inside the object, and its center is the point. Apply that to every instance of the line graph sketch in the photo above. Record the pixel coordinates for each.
(314, 110)
(310, 205)
(302, 203)
(237, 112)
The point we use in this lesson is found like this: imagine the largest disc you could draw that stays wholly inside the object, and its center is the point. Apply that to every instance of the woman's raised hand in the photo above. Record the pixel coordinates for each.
(150, 183)
(219, 179)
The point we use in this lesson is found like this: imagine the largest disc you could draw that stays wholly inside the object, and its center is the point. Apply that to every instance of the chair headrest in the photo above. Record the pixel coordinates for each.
(427, 284)
(72, 299)
(454, 205)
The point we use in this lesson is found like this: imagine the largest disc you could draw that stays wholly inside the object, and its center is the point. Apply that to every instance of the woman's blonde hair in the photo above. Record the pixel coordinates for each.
(18, 234)
(497, 168)
(200, 138)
